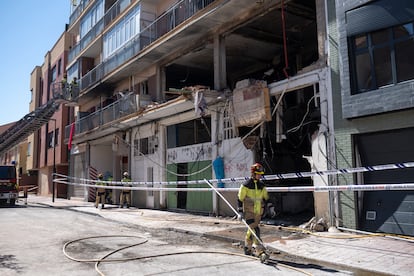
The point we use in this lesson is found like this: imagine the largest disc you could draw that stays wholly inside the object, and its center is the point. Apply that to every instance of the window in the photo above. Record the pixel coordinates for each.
(403, 51)
(381, 58)
(51, 140)
(380, 34)
(123, 32)
(59, 67)
(145, 146)
(54, 74)
(189, 133)
(143, 88)
(7, 172)
(29, 149)
(73, 71)
(90, 19)
(228, 123)
(57, 137)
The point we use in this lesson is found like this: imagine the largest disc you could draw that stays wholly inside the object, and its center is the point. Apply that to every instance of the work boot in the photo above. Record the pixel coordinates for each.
(247, 251)
(263, 257)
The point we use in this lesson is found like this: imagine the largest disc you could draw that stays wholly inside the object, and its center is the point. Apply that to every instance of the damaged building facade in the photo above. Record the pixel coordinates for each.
(164, 89)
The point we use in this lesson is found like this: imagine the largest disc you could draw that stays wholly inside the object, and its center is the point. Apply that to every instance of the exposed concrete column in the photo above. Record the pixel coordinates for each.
(220, 73)
(160, 83)
(87, 168)
(321, 29)
(162, 152)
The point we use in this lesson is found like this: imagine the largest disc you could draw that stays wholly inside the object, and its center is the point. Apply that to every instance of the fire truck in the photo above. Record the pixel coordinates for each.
(9, 190)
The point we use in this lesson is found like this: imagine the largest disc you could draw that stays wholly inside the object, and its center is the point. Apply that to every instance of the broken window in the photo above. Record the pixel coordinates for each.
(189, 133)
(145, 146)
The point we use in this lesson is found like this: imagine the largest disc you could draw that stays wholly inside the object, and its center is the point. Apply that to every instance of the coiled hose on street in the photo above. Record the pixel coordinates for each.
(104, 258)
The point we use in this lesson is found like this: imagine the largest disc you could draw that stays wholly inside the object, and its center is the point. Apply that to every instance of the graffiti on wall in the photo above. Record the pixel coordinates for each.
(235, 168)
(192, 153)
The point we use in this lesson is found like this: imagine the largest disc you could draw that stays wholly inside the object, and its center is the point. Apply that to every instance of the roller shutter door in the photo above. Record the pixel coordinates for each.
(387, 211)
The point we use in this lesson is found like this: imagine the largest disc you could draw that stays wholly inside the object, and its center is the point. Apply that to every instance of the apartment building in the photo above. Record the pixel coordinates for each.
(165, 88)
(374, 111)
(47, 151)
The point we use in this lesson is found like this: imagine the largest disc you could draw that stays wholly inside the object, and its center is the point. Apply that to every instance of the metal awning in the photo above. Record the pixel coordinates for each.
(26, 126)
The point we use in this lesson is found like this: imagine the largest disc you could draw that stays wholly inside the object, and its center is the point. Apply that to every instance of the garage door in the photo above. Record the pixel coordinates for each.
(387, 211)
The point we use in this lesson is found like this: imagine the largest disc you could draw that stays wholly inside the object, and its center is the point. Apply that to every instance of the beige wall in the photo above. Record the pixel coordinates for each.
(35, 76)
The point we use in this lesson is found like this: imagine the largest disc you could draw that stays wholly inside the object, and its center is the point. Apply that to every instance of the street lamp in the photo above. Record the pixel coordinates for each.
(54, 160)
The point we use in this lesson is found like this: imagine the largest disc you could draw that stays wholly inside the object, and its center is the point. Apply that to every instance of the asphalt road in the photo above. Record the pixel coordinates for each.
(39, 240)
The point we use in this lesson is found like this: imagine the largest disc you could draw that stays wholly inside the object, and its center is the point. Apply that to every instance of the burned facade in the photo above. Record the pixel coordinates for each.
(167, 87)
(200, 89)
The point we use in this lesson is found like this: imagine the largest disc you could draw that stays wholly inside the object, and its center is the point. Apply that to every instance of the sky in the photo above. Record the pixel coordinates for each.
(29, 28)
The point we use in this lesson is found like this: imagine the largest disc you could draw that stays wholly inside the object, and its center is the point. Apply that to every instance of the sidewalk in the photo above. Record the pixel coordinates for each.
(370, 255)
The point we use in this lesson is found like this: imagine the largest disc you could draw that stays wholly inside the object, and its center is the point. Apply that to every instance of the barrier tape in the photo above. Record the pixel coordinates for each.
(148, 186)
(341, 171)
(371, 187)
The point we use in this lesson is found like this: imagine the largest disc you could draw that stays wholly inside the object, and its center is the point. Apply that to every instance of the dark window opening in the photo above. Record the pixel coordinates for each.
(189, 133)
(144, 146)
(52, 141)
(182, 170)
(60, 67)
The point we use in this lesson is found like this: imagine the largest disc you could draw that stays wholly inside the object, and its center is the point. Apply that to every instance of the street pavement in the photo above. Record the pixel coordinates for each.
(367, 254)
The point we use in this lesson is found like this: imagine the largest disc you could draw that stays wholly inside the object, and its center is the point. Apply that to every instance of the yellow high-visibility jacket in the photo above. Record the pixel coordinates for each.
(252, 196)
(100, 190)
(125, 180)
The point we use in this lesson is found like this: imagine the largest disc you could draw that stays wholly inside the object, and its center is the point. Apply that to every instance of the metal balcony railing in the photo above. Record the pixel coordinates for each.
(126, 105)
(180, 12)
(129, 104)
(78, 10)
(63, 91)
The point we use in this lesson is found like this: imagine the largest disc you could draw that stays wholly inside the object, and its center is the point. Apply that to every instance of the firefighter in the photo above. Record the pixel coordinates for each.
(100, 192)
(252, 198)
(74, 88)
(108, 192)
(64, 85)
(125, 193)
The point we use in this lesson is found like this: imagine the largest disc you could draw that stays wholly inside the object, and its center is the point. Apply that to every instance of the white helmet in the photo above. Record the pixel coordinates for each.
(126, 174)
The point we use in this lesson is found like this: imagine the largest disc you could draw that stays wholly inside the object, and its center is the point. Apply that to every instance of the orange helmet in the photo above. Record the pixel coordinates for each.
(257, 168)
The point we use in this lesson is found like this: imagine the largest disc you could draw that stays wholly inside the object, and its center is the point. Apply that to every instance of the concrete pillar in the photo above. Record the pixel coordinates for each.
(321, 17)
(160, 83)
(162, 150)
(220, 76)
